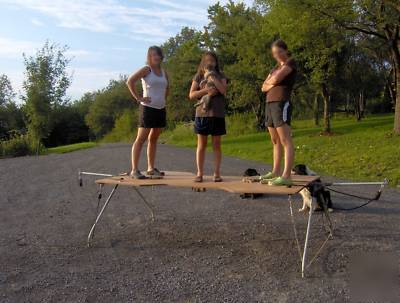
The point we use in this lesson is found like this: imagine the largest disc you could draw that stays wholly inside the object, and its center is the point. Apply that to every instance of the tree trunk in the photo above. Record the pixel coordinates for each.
(395, 52)
(316, 110)
(392, 91)
(359, 106)
(347, 104)
(362, 104)
(356, 108)
(396, 127)
(327, 118)
(37, 147)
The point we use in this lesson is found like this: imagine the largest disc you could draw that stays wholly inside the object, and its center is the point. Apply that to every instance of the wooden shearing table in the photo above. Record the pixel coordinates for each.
(231, 184)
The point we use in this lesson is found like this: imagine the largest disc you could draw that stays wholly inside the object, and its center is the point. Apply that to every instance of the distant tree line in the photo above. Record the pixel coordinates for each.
(347, 53)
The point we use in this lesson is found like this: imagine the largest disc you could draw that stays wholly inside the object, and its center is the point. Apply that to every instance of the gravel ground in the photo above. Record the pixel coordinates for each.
(203, 247)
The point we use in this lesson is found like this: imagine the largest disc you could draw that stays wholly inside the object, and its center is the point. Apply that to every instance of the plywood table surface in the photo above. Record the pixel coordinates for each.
(233, 184)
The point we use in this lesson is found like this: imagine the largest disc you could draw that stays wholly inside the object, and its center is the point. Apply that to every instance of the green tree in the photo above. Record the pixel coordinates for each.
(370, 19)
(172, 45)
(45, 88)
(107, 105)
(358, 80)
(7, 93)
(183, 55)
(11, 116)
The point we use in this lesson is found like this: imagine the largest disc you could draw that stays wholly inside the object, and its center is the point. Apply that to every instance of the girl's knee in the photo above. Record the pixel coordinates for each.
(153, 139)
(275, 140)
(286, 141)
(201, 149)
(154, 135)
(216, 146)
(140, 140)
(202, 146)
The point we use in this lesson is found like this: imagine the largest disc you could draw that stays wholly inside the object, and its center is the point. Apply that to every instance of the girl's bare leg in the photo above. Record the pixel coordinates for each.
(152, 147)
(141, 138)
(216, 144)
(200, 154)
(277, 151)
(285, 135)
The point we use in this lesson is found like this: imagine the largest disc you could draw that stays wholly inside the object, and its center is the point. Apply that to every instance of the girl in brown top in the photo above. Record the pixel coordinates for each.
(278, 86)
(209, 120)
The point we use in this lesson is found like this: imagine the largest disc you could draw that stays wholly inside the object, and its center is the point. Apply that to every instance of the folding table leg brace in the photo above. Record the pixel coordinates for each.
(99, 214)
(91, 233)
(303, 254)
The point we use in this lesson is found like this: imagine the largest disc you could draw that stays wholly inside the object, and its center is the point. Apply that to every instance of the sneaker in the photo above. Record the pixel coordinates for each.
(267, 181)
(155, 174)
(268, 176)
(137, 175)
(217, 179)
(280, 181)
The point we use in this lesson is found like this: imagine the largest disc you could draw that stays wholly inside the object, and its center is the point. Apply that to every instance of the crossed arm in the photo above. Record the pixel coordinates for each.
(275, 78)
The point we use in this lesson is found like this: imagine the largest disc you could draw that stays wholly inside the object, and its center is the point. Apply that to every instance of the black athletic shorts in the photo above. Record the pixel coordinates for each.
(278, 113)
(214, 126)
(150, 117)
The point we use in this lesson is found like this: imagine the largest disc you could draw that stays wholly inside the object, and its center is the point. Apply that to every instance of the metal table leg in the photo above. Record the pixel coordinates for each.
(294, 226)
(100, 214)
(145, 203)
(304, 259)
(100, 195)
(327, 216)
(303, 253)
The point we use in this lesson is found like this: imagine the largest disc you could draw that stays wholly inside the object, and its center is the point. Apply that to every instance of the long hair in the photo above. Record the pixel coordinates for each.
(280, 44)
(202, 65)
(158, 51)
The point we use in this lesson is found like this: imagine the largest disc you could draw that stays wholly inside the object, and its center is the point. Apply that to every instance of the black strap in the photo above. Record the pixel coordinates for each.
(369, 200)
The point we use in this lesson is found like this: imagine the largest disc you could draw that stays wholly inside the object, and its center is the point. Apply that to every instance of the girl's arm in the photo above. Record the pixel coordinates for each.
(266, 87)
(220, 84)
(279, 75)
(131, 83)
(196, 93)
(167, 90)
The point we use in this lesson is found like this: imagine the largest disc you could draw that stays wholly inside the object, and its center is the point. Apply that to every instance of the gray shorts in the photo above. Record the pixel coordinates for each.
(278, 113)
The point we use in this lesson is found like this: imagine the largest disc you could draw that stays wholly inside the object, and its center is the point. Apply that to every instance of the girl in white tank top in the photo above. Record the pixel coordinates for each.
(155, 87)
(152, 113)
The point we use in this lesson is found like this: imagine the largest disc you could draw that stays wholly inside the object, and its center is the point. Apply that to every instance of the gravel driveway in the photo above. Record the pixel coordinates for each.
(203, 247)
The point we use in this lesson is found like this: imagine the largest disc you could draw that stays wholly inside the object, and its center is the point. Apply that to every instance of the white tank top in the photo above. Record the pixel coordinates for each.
(155, 87)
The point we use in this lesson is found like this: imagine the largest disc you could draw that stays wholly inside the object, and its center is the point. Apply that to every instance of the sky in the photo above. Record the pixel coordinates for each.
(106, 38)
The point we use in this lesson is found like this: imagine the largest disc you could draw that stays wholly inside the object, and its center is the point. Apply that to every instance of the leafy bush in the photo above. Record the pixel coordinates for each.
(108, 105)
(241, 123)
(67, 128)
(181, 132)
(236, 124)
(124, 129)
(18, 145)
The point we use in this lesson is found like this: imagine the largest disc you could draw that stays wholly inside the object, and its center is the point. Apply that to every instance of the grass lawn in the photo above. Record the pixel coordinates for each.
(70, 148)
(362, 150)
